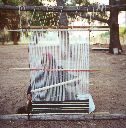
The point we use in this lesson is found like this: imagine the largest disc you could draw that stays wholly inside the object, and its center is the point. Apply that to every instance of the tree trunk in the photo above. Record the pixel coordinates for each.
(63, 21)
(114, 46)
(15, 37)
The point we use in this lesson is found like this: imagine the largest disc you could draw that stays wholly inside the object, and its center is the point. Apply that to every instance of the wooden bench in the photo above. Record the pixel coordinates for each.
(72, 106)
(100, 49)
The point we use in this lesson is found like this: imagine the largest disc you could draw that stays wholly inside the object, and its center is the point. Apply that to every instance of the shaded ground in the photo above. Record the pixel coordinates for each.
(108, 89)
(64, 124)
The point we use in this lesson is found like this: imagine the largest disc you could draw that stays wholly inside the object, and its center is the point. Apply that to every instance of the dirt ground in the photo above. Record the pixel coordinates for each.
(108, 87)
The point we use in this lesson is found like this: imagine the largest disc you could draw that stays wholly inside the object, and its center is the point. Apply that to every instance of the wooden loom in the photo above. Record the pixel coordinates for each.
(64, 58)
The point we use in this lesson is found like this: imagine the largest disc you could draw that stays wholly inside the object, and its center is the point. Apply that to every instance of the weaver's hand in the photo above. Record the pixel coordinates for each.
(29, 97)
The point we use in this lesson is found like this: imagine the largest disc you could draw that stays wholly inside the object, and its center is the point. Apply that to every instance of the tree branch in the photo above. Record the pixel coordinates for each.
(95, 17)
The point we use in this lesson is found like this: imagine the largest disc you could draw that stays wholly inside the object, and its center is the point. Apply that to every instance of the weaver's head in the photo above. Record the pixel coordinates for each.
(48, 61)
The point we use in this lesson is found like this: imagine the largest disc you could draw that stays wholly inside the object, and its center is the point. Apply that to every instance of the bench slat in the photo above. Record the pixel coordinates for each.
(60, 111)
(78, 106)
(58, 105)
(64, 102)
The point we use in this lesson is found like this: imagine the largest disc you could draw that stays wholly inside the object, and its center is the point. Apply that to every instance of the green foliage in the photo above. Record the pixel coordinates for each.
(125, 31)
(39, 18)
(82, 2)
(105, 35)
(78, 2)
(33, 2)
(122, 31)
(13, 2)
(17, 2)
(44, 19)
(1, 2)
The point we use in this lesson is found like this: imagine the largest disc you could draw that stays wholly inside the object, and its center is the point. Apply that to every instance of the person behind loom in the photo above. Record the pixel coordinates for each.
(47, 77)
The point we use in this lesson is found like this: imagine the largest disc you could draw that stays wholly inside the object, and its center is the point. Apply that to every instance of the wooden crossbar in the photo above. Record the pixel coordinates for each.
(56, 85)
(91, 8)
(62, 27)
(66, 70)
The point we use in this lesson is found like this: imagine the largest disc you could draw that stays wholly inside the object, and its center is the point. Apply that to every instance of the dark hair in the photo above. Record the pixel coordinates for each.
(52, 61)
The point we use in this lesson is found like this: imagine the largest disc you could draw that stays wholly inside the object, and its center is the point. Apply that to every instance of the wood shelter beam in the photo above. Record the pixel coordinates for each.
(63, 9)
